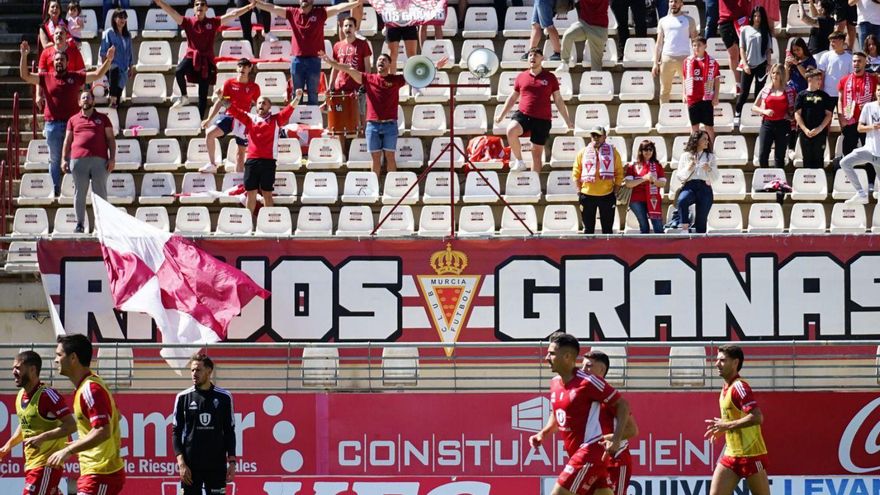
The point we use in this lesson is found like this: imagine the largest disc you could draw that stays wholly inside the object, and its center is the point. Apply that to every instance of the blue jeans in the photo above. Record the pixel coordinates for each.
(866, 28)
(640, 210)
(711, 18)
(54, 131)
(306, 74)
(381, 136)
(543, 13)
(695, 192)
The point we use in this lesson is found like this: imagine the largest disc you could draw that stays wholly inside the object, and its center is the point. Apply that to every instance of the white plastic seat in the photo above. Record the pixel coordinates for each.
(36, 189)
(731, 186)
(673, 119)
(477, 220)
(131, 22)
(480, 22)
(560, 220)
(566, 86)
(183, 121)
(120, 189)
(505, 85)
(517, 22)
(633, 118)
(749, 124)
(159, 25)
(511, 225)
(198, 188)
(361, 187)
(112, 115)
(725, 218)
(560, 187)
(635, 85)
(522, 187)
(723, 115)
(232, 182)
(90, 27)
(438, 49)
(324, 154)
(687, 366)
(369, 25)
(289, 154)
(358, 156)
(809, 184)
(154, 56)
(128, 154)
(450, 27)
(609, 56)
(197, 153)
(148, 88)
(564, 151)
(435, 221)
(192, 220)
(400, 221)
(761, 178)
(276, 54)
(320, 188)
(500, 129)
(452, 154)
(437, 188)
(30, 222)
(314, 221)
(396, 186)
(557, 124)
(235, 49)
(141, 121)
(308, 115)
(793, 21)
(587, 116)
(428, 120)
(659, 145)
(468, 47)
(65, 223)
(37, 157)
(465, 94)
(727, 91)
(598, 86)
(410, 153)
(163, 154)
(470, 119)
(477, 190)
(848, 219)
(731, 150)
(807, 218)
(716, 49)
(157, 216)
(21, 257)
(431, 94)
(619, 144)
(157, 188)
(355, 221)
(273, 85)
(274, 221)
(638, 53)
(285, 188)
(234, 221)
(843, 188)
(512, 52)
(766, 218)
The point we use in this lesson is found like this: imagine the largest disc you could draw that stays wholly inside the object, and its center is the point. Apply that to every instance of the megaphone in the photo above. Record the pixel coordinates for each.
(482, 63)
(419, 71)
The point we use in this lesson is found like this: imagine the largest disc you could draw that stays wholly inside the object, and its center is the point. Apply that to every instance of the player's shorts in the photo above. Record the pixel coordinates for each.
(620, 472)
(101, 484)
(745, 467)
(584, 473)
(42, 480)
(229, 125)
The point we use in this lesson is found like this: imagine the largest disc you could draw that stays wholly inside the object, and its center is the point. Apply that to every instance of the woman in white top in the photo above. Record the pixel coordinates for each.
(697, 170)
(754, 48)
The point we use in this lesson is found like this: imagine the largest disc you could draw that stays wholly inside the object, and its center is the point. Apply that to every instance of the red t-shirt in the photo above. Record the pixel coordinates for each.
(779, 105)
(308, 31)
(89, 136)
(572, 405)
(61, 94)
(74, 58)
(95, 404)
(241, 95)
(262, 132)
(858, 94)
(354, 55)
(593, 12)
(642, 192)
(733, 10)
(742, 396)
(383, 95)
(535, 93)
(200, 36)
(51, 406)
(608, 421)
(696, 73)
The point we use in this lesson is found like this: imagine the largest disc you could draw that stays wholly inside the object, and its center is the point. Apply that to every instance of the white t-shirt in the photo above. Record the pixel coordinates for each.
(835, 67)
(869, 12)
(676, 35)
(870, 116)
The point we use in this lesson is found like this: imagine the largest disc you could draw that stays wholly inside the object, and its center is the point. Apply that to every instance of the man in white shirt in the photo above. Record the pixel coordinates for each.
(674, 34)
(835, 64)
(869, 123)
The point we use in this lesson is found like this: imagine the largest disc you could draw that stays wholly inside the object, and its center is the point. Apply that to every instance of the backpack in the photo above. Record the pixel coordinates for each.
(487, 149)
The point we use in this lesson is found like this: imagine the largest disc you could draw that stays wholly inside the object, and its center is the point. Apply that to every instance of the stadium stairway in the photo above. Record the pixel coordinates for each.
(19, 20)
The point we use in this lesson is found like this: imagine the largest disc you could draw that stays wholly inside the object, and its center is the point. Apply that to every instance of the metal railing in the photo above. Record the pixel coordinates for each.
(475, 367)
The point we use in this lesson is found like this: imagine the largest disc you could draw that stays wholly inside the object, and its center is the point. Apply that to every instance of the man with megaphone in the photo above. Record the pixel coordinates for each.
(383, 96)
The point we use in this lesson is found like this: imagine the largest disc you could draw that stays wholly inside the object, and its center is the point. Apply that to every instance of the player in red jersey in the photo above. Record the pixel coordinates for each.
(620, 466)
(241, 93)
(576, 398)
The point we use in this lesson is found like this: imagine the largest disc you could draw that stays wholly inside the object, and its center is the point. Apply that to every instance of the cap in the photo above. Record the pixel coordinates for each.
(598, 130)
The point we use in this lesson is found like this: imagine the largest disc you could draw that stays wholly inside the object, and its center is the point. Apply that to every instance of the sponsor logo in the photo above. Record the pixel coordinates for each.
(193, 405)
(205, 419)
(530, 415)
(854, 434)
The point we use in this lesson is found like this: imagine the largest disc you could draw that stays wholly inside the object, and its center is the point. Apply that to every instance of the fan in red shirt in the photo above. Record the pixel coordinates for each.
(576, 398)
(197, 65)
(702, 85)
(262, 148)
(240, 93)
(534, 88)
(733, 15)
(357, 54)
(620, 466)
(54, 18)
(63, 43)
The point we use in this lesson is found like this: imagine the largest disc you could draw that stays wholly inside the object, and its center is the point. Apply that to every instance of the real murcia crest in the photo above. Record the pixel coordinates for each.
(449, 294)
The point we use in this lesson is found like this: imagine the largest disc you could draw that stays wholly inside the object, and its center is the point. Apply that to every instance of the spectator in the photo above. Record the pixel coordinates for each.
(119, 37)
(822, 25)
(711, 30)
(621, 9)
(798, 61)
(50, 23)
(856, 90)
(702, 85)
(197, 65)
(239, 92)
(542, 20)
(646, 179)
(872, 50)
(61, 43)
(674, 35)
(733, 15)
(868, 19)
(754, 45)
(247, 28)
(869, 123)
(697, 170)
(357, 54)
(60, 89)
(307, 23)
(813, 116)
(847, 16)
(775, 103)
(537, 87)
(358, 14)
(75, 21)
(89, 154)
(591, 26)
(774, 15)
(598, 172)
(835, 64)
(110, 5)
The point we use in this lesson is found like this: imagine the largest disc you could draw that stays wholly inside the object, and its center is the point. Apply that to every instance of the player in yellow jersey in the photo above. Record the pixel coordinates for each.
(102, 470)
(745, 455)
(45, 423)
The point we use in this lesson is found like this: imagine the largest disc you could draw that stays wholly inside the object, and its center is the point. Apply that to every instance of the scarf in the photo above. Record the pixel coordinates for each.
(605, 159)
(655, 198)
(709, 65)
(852, 102)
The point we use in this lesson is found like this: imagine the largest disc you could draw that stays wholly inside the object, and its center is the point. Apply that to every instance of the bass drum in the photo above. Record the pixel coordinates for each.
(342, 114)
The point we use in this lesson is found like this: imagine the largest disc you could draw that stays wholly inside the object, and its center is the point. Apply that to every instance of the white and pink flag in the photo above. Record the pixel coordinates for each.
(190, 294)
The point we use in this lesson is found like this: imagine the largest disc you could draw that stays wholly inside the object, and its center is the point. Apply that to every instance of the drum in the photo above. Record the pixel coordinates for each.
(342, 114)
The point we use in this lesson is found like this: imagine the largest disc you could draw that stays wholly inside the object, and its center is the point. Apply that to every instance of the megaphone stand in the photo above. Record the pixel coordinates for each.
(451, 147)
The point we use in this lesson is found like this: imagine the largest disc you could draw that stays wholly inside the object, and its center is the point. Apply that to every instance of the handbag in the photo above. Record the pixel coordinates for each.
(624, 195)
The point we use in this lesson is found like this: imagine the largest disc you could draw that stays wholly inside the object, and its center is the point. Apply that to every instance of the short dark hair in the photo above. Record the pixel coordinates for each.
(244, 61)
(78, 344)
(352, 19)
(30, 358)
(62, 54)
(699, 39)
(836, 35)
(383, 54)
(562, 339)
(203, 358)
(599, 356)
(535, 50)
(733, 352)
(813, 72)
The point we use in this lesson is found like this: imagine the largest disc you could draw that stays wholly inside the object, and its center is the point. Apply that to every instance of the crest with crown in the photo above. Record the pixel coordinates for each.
(449, 262)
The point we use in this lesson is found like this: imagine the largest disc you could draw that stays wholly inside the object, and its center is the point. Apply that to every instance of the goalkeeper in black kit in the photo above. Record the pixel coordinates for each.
(204, 432)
